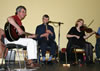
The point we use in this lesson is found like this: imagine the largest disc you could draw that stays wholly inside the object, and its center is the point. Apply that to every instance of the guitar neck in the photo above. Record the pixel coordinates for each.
(26, 33)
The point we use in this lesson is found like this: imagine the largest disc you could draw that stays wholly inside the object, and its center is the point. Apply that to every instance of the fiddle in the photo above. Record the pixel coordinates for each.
(86, 29)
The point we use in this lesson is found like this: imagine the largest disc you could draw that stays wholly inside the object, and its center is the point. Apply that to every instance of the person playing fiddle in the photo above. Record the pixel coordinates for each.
(77, 37)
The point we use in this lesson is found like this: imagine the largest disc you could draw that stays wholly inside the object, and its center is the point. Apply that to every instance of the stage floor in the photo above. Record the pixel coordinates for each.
(57, 67)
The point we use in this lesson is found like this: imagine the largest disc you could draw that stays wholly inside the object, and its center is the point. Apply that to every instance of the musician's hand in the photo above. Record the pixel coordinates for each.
(34, 36)
(20, 31)
(48, 31)
(45, 35)
(93, 32)
(77, 36)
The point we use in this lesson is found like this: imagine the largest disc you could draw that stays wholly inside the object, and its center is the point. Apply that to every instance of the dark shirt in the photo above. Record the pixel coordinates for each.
(98, 31)
(41, 29)
(74, 40)
(98, 39)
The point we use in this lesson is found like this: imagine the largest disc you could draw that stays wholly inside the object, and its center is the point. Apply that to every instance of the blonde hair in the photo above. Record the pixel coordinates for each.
(76, 24)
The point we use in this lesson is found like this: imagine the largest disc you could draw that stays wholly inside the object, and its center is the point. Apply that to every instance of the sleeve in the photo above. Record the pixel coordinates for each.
(37, 32)
(71, 31)
(98, 31)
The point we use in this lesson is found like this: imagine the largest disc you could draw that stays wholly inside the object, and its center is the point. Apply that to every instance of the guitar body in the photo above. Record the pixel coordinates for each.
(11, 32)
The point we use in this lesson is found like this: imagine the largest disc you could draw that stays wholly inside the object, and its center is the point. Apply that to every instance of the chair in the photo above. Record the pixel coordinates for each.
(47, 55)
(12, 46)
(77, 50)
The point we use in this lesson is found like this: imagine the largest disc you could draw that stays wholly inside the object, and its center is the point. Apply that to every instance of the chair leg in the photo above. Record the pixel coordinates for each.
(75, 56)
(66, 57)
(3, 67)
(3, 55)
(24, 57)
(10, 57)
(8, 61)
(19, 58)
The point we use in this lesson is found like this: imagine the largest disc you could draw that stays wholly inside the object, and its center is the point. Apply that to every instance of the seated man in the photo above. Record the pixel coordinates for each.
(28, 42)
(46, 37)
(98, 44)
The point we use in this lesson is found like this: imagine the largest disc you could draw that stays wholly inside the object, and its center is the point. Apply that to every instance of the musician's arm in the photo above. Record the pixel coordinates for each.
(97, 36)
(88, 35)
(12, 22)
(32, 36)
(70, 36)
(51, 33)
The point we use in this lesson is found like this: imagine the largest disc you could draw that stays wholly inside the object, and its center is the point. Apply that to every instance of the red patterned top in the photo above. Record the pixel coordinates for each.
(17, 20)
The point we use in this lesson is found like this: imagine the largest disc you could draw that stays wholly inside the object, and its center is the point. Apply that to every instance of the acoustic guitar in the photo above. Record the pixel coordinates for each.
(12, 33)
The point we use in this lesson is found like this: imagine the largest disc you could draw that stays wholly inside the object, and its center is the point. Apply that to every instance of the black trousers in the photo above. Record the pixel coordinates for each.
(97, 47)
(44, 46)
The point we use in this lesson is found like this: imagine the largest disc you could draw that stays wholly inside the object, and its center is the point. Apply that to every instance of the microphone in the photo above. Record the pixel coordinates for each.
(55, 22)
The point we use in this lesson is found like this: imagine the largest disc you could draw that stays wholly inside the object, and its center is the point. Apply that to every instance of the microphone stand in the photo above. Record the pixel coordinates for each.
(59, 37)
(59, 40)
(59, 24)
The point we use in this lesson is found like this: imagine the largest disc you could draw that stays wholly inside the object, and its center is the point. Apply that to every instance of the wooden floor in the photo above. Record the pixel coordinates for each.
(56, 67)
(59, 67)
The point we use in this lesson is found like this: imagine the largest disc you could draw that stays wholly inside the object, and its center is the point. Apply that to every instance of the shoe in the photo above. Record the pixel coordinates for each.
(50, 58)
(33, 65)
(80, 65)
(28, 62)
(73, 64)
